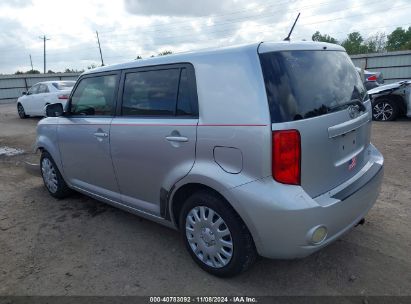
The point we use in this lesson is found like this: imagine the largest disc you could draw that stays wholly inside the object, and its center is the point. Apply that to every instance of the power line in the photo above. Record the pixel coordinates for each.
(172, 38)
(209, 32)
(230, 21)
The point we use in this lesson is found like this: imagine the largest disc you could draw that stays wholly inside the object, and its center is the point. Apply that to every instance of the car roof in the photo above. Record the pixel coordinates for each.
(192, 56)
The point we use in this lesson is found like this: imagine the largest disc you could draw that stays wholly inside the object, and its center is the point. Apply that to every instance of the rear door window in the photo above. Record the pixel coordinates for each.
(94, 96)
(161, 92)
(151, 93)
(304, 84)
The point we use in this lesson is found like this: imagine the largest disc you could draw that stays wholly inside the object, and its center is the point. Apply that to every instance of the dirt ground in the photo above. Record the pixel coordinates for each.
(79, 246)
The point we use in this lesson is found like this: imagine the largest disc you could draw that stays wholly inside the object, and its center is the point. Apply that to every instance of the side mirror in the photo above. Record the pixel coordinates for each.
(54, 110)
(24, 93)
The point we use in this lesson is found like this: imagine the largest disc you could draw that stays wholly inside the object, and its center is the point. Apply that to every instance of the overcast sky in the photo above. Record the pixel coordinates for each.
(128, 28)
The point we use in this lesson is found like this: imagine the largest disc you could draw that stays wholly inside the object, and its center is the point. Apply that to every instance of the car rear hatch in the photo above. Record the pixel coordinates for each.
(316, 90)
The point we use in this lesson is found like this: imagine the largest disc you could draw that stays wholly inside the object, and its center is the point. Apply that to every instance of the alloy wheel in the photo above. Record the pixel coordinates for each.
(382, 111)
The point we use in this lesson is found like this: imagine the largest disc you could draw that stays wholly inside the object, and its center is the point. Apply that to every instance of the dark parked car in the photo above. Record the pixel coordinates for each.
(371, 79)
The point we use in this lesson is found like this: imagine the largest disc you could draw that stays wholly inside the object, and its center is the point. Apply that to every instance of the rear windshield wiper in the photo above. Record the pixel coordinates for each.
(353, 102)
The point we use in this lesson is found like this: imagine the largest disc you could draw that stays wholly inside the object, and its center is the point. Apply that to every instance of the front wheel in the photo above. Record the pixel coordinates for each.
(384, 109)
(215, 236)
(52, 178)
(20, 111)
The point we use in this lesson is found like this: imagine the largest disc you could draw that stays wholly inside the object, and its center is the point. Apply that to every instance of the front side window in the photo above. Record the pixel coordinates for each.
(42, 89)
(151, 93)
(34, 89)
(94, 96)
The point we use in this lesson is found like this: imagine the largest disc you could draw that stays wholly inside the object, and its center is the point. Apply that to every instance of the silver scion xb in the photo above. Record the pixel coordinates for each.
(261, 149)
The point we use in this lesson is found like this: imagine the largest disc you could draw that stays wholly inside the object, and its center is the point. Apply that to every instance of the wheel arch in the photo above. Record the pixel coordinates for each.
(44, 143)
(180, 195)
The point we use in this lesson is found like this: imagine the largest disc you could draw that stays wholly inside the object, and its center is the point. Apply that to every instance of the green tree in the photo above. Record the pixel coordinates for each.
(50, 72)
(32, 72)
(166, 52)
(376, 43)
(138, 57)
(354, 44)
(323, 38)
(399, 39)
(92, 66)
(73, 71)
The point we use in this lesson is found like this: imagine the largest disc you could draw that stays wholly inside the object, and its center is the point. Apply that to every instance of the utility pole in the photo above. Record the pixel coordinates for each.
(99, 47)
(44, 41)
(31, 63)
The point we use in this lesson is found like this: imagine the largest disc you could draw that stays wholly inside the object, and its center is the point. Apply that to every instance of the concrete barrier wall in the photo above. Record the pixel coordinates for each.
(12, 86)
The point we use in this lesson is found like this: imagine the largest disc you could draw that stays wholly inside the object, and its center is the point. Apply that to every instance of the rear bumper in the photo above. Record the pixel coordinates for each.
(281, 217)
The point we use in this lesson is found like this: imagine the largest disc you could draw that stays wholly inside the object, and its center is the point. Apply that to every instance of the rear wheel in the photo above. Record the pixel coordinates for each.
(384, 109)
(20, 111)
(215, 236)
(52, 178)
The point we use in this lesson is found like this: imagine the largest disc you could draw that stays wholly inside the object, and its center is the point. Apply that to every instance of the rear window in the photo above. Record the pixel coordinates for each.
(64, 85)
(304, 84)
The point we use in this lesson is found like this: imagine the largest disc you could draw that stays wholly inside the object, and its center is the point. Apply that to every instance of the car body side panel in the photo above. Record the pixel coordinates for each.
(85, 154)
(145, 161)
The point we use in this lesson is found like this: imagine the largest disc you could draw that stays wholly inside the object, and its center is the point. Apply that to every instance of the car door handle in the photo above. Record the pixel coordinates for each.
(100, 134)
(177, 138)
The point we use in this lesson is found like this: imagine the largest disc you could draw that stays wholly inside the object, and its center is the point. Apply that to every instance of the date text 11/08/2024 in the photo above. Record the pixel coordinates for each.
(234, 299)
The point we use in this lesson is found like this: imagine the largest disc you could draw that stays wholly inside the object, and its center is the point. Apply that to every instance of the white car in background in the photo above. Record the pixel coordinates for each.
(32, 103)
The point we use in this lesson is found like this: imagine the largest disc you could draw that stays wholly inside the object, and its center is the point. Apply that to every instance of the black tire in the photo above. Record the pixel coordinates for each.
(21, 112)
(385, 109)
(243, 249)
(60, 188)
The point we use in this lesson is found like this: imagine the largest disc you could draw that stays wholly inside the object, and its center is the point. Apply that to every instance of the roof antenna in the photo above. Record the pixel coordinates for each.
(291, 31)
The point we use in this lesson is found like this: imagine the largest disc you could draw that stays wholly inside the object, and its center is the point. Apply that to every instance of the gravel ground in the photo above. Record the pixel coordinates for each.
(79, 246)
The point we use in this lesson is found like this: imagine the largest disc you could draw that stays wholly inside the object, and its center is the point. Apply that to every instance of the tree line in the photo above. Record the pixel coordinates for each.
(397, 40)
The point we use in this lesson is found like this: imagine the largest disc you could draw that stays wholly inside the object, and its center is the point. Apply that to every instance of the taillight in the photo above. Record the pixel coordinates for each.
(372, 78)
(63, 96)
(286, 157)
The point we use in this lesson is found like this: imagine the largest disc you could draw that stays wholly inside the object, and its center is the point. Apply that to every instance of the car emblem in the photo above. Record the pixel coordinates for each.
(352, 163)
(353, 111)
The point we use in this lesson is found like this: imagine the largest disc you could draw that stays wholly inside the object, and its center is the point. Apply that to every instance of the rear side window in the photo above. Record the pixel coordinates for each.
(94, 96)
(164, 92)
(184, 105)
(64, 85)
(304, 84)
